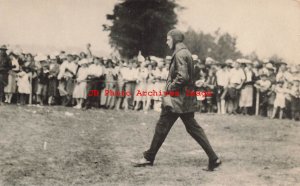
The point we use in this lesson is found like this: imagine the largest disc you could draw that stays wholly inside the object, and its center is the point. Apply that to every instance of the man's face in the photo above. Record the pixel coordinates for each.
(170, 42)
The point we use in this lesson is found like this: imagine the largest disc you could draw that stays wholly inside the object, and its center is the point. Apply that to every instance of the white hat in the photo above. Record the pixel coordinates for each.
(265, 60)
(62, 56)
(255, 63)
(195, 57)
(229, 61)
(247, 61)
(41, 57)
(209, 59)
(83, 61)
(154, 58)
(168, 57)
(140, 58)
(294, 69)
(52, 56)
(269, 66)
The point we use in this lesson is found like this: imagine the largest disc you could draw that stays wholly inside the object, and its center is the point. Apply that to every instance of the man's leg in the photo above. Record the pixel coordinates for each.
(163, 126)
(198, 134)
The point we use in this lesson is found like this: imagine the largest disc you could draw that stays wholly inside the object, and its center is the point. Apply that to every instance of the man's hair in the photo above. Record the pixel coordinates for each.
(176, 35)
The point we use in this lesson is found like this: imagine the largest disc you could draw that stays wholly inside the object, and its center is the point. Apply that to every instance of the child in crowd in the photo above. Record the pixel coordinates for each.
(42, 77)
(23, 83)
(279, 102)
(263, 85)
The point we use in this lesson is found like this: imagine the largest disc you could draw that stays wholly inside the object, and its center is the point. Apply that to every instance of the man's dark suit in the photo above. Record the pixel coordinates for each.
(180, 78)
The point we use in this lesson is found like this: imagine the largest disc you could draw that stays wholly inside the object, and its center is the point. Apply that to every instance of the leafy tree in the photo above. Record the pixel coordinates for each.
(141, 25)
(218, 46)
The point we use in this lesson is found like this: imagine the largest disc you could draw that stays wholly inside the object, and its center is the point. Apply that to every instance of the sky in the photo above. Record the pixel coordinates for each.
(266, 26)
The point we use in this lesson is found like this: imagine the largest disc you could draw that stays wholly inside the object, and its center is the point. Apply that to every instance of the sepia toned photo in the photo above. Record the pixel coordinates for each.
(149, 92)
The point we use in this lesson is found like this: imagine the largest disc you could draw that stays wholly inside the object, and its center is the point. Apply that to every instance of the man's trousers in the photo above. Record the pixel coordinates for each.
(165, 123)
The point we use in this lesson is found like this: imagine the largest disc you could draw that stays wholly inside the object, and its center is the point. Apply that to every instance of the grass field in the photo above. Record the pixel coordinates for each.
(63, 146)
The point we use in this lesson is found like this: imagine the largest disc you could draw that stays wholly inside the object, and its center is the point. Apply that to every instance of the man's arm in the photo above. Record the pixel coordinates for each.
(181, 70)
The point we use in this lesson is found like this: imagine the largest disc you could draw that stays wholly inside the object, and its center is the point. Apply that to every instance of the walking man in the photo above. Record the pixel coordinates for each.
(180, 78)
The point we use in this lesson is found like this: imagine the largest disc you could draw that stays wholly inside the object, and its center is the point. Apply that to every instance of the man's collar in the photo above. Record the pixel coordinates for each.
(178, 47)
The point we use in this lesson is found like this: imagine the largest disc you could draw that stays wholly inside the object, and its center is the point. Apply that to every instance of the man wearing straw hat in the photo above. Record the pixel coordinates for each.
(180, 78)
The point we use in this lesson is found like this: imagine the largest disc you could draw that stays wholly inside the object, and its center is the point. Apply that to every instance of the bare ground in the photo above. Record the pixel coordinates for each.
(63, 146)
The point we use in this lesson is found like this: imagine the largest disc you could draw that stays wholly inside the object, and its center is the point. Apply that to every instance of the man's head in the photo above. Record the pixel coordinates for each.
(3, 49)
(173, 37)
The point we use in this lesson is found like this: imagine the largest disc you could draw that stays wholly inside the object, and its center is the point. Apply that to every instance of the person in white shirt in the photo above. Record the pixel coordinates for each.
(222, 76)
(130, 76)
(95, 71)
(236, 80)
(67, 71)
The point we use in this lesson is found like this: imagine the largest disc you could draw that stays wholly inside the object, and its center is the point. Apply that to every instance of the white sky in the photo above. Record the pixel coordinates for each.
(265, 26)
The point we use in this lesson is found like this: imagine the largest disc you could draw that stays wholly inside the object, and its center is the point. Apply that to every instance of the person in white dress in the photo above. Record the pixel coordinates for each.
(23, 83)
(80, 90)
